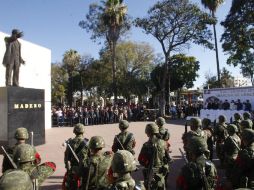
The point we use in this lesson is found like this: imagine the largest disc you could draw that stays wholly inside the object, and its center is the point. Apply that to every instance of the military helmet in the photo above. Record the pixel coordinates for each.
(222, 118)
(24, 153)
(152, 128)
(123, 124)
(232, 129)
(246, 115)
(123, 161)
(197, 145)
(195, 122)
(237, 116)
(246, 124)
(79, 128)
(21, 134)
(206, 122)
(160, 121)
(16, 179)
(248, 135)
(96, 142)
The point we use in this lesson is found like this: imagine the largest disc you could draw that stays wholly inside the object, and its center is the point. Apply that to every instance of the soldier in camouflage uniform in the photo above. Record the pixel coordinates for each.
(237, 122)
(24, 157)
(123, 163)
(242, 175)
(207, 128)
(231, 148)
(21, 135)
(195, 126)
(94, 168)
(164, 135)
(16, 180)
(79, 146)
(199, 173)
(247, 117)
(124, 140)
(246, 124)
(153, 156)
(220, 134)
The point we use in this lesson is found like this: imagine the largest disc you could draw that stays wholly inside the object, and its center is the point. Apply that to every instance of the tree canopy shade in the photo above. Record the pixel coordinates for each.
(109, 21)
(238, 38)
(176, 24)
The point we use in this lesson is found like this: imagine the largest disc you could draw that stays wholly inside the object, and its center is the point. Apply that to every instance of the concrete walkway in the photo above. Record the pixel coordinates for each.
(53, 150)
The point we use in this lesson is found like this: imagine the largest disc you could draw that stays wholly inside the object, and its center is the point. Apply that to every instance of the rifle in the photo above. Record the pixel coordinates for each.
(32, 138)
(88, 176)
(150, 169)
(186, 127)
(183, 156)
(9, 158)
(204, 178)
(119, 142)
(233, 141)
(72, 151)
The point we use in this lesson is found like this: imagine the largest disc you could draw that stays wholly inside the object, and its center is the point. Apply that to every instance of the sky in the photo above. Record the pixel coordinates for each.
(54, 25)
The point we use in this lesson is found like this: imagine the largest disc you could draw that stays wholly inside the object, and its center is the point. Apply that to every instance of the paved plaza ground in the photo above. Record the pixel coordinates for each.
(53, 150)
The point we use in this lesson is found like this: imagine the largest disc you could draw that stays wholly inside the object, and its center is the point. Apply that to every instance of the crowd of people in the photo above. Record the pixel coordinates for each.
(89, 167)
(229, 105)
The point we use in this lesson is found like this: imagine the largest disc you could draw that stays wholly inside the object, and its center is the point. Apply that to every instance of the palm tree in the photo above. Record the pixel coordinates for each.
(114, 18)
(212, 5)
(71, 61)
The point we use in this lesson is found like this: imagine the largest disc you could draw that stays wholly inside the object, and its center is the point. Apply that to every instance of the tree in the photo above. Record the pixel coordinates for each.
(175, 24)
(58, 83)
(109, 21)
(183, 72)
(227, 80)
(212, 5)
(71, 61)
(238, 37)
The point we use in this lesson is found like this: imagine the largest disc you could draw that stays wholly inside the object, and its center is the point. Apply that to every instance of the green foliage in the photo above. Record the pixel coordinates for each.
(238, 38)
(212, 5)
(227, 80)
(183, 72)
(59, 79)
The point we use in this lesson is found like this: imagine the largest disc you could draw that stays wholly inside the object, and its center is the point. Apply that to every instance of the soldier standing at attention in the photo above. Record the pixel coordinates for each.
(237, 122)
(124, 140)
(21, 135)
(153, 156)
(247, 117)
(123, 163)
(220, 134)
(94, 168)
(206, 126)
(199, 173)
(24, 157)
(79, 146)
(242, 175)
(231, 148)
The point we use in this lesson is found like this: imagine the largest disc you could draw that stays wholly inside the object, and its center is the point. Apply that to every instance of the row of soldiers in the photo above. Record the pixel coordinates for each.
(234, 145)
(89, 167)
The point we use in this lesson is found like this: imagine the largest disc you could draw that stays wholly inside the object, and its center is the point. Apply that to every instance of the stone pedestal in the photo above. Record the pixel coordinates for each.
(21, 107)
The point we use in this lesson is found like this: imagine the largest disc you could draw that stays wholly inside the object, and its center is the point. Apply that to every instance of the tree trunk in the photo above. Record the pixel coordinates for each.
(114, 71)
(163, 89)
(216, 50)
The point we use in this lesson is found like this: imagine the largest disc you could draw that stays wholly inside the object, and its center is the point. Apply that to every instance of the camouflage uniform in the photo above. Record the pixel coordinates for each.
(200, 173)
(247, 117)
(231, 147)
(246, 124)
(195, 124)
(79, 146)
(94, 168)
(207, 128)
(242, 175)
(21, 135)
(123, 163)
(237, 122)
(15, 180)
(124, 140)
(153, 156)
(24, 157)
(220, 134)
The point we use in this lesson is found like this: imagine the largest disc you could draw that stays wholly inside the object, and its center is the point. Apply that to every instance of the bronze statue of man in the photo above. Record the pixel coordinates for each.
(12, 58)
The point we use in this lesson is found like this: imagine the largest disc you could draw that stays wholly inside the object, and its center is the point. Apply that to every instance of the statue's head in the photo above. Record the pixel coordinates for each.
(17, 33)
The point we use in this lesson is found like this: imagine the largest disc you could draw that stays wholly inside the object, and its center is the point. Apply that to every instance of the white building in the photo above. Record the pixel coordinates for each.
(241, 81)
(36, 73)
